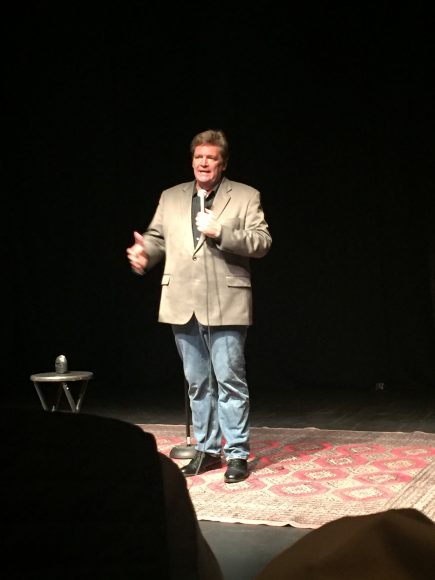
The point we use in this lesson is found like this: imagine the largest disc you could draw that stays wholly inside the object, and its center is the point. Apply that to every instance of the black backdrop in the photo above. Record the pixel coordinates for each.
(329, 113)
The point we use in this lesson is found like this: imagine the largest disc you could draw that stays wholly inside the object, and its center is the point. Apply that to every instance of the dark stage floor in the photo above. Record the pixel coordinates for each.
(243, 550)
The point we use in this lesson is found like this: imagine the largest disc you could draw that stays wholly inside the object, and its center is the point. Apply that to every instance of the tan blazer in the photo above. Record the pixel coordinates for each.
(213, 279)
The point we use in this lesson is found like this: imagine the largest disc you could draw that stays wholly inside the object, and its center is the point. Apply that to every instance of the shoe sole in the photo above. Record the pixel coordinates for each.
(238, 480)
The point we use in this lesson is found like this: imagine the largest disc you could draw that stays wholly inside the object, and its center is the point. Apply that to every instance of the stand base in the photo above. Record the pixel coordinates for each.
(183, 452)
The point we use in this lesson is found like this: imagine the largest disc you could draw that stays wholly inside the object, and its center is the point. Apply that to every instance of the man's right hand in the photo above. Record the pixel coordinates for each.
(137, 255)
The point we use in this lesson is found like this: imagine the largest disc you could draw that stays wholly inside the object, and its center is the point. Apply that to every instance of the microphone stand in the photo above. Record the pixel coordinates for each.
(188, 451)
(185, 451)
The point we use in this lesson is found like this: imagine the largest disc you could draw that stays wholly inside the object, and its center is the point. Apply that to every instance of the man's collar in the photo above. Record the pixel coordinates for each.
(212, 192)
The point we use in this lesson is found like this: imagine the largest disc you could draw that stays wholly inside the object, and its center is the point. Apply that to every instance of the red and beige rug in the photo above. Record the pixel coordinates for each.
(308, 477)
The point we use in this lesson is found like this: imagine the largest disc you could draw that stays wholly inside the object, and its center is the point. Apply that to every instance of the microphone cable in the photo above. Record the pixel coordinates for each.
(202, 194)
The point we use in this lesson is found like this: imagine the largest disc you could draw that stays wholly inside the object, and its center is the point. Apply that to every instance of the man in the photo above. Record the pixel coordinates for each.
(206, 231)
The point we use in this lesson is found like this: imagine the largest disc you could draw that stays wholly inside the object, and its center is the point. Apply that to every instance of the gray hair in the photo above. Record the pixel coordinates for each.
(211, 137)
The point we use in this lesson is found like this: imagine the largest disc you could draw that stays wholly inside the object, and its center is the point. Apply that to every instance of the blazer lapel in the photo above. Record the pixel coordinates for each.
(186, 211)
(222, 198)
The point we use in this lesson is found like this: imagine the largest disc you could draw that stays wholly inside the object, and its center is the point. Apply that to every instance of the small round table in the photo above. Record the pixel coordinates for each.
(63, 381)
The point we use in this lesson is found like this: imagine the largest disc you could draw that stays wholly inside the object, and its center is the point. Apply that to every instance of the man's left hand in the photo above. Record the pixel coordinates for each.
(207, 224)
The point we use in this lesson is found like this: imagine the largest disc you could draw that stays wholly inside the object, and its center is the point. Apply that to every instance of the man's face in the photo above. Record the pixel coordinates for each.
(208, 165)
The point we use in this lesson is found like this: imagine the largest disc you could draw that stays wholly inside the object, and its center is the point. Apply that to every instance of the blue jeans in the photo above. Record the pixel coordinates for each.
(214, 366)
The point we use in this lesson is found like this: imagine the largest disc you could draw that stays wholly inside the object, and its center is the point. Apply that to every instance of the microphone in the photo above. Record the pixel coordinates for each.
(202, 195)
(61, 364)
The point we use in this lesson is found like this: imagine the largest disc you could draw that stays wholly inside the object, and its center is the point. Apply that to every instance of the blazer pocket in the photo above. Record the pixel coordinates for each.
(165, 279)
(233, 223)
(238, 282)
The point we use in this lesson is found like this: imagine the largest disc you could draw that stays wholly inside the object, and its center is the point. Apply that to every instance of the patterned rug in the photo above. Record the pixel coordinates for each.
(307, 477)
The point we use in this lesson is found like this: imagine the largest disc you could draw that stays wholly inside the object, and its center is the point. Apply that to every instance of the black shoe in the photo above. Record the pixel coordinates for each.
(200, 463)
(237, 470)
